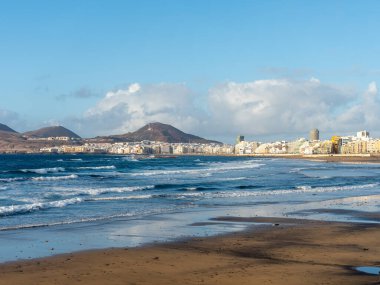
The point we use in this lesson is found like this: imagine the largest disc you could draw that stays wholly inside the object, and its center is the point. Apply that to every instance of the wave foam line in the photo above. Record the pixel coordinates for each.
(299, 190)
(98, 167)
(25, 208)
(99, 191)
(55, 178)
(96, 219)
(44, 170)
(12, 179)
(120, 198)
(217, 167)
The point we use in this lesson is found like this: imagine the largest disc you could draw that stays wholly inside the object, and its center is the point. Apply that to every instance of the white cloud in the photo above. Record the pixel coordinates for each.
(277, 106)
(127, 110)
(372, 88)
(364, 114)
(256, 108)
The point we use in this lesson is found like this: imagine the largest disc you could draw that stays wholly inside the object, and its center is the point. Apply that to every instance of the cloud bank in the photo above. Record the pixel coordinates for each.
(256, 108)
(127, 110)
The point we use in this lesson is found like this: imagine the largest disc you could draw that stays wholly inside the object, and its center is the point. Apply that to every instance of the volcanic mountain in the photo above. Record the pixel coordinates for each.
(162, 133)
(5, 128)
(56, 131)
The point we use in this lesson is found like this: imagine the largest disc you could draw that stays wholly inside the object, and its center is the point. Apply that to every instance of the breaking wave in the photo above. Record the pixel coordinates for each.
(98, 167)
(212, 168)
(238, 194)
(18, 209)
(54, 178)
(44, 170)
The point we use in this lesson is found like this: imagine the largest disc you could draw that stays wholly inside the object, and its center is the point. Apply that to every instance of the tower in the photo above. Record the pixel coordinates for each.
(314, 135)
(239, 139)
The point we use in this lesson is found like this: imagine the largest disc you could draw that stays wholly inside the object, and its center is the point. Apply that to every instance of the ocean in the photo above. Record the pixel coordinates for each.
(53, 204)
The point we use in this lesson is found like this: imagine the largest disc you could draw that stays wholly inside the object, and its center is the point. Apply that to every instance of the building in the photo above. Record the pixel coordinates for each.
(336, 144)
(362, 135)
(314, 135)
(294, 146)
(239, 139)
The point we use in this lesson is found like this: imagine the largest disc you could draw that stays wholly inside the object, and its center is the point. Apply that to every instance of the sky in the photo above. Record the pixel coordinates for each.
(216, 68)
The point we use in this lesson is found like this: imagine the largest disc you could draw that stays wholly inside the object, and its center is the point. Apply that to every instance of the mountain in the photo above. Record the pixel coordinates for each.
(56, 131)
(5, 128)
(162, 133)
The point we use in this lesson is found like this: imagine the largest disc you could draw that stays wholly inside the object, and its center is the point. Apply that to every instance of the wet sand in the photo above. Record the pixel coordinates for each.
(277, 251)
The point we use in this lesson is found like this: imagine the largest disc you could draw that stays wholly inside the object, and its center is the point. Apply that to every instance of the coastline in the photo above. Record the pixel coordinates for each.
(343, 158)
(279, 251)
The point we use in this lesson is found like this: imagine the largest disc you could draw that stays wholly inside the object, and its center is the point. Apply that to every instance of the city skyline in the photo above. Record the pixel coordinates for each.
(266, 69)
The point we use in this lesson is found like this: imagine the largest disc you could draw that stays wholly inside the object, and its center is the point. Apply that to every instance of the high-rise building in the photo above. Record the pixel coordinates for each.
(336, 144)
(362, 135)
(314, 135)
(239, 139)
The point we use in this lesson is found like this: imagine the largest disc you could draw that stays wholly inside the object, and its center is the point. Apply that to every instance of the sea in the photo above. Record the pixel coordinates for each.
(53, 204)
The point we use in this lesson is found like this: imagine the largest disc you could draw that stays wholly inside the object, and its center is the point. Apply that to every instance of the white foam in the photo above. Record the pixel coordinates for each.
(14, 209)
(44, 170)
(98, 167)
(120, 198)
(191, 188)
(54, 178)
(212, 168)
(96, 219)
(304, 187)
(99, 191)
(226, 194)
(129, 158)
(230, 178)
(12, 179)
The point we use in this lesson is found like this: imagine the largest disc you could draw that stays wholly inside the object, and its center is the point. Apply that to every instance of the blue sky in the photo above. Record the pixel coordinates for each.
(58, 59)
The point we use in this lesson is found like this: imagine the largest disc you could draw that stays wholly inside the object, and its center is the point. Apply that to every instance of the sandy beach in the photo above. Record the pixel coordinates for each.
(276, 251)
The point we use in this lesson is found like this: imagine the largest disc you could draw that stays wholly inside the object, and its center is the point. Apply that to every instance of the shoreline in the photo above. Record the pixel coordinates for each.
(271, 251)
(343, 158)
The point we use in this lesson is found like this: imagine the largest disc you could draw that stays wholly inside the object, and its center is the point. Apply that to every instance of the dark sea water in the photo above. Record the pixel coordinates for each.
(92, 201)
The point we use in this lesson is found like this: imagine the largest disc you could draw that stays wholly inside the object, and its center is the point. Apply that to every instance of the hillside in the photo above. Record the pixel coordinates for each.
(56, 131)
(160, 132)
(5, 128)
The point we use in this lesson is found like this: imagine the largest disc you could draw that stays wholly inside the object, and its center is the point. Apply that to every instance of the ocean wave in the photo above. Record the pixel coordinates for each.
(191, 188)
(129, 158)
(55, 178)
(213, 167)
(304, 187)
(63, 191)
(12, 179)
(238, 194)
(25, 208)
(44, 170)
(231, 178)
(98, 167)
(97, 219)
(94, 192)
(120, 198)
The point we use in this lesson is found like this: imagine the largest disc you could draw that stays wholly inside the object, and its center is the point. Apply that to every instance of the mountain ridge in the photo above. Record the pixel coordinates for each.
(159, 132)
(54, 131)
(5, 128)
